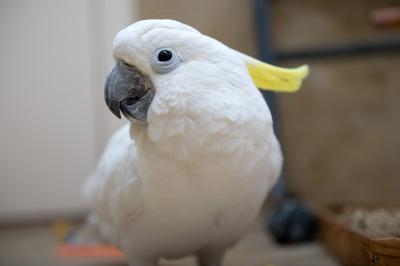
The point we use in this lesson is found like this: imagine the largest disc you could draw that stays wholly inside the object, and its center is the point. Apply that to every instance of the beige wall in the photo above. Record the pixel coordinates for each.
(54, 59)
(341, 132)
(229, 21)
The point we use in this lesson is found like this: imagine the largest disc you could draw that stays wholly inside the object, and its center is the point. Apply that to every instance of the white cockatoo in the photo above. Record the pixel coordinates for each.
(190, 172)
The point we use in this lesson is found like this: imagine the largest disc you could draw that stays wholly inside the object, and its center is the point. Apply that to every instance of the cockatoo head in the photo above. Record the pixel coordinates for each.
(161, 63)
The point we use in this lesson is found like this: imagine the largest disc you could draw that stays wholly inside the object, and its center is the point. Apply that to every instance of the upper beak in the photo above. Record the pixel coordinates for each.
(128, 90)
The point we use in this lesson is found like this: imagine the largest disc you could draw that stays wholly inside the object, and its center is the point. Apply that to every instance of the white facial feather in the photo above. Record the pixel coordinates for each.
(203, 98)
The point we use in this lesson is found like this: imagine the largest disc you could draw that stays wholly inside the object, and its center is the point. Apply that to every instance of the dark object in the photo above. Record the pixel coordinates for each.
(362, 48)
(266, 51)
(355, 247)
(292, 222)
(129, 91)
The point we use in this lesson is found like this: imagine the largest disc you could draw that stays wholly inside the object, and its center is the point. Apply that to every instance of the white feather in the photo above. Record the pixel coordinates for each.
(196, 175)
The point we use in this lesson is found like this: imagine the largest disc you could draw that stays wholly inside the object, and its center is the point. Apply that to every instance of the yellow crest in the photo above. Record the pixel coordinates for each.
(278, 79)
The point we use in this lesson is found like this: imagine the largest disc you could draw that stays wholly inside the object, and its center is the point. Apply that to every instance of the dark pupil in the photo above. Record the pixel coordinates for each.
(164, 55)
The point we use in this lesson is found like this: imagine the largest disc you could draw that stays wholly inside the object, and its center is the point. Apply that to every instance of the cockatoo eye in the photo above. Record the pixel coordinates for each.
(164, 55)
(164, 60)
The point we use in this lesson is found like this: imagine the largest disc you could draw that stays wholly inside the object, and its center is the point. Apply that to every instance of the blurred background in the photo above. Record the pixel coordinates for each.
(340, 133)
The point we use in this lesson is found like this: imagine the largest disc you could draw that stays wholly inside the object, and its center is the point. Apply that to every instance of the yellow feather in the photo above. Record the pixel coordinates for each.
(269, 77)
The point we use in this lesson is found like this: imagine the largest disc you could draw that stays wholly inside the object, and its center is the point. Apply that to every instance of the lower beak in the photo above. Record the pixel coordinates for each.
(129, 90)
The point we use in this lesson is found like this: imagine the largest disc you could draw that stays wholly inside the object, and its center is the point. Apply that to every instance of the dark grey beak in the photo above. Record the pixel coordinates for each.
(130, 91)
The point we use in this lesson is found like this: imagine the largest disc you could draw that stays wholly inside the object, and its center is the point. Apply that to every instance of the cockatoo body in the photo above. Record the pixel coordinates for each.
(190, 172)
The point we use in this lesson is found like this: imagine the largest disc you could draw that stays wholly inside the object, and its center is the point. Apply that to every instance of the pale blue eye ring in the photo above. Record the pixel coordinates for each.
(164, 60)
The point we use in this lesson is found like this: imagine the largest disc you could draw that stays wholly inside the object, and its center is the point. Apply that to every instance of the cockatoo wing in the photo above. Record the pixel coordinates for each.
(114, 190)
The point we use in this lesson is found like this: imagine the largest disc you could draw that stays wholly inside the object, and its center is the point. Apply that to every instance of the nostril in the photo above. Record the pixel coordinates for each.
(131, 100)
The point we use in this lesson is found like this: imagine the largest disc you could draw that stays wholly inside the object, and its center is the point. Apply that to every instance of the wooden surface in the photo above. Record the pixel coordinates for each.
(354, 247)
(35, 247)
